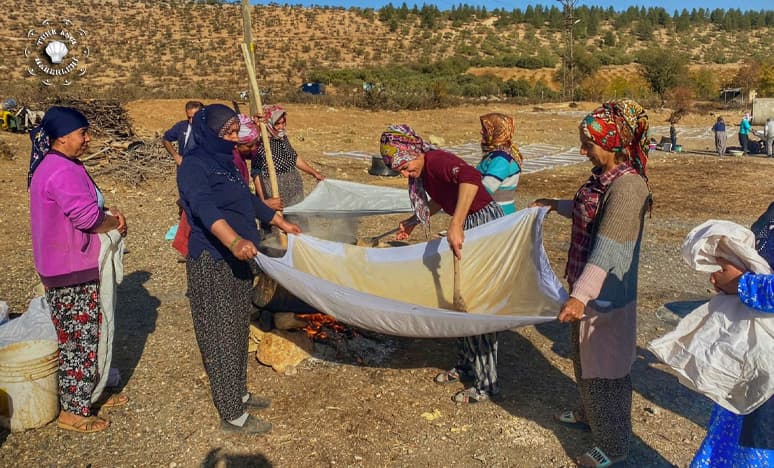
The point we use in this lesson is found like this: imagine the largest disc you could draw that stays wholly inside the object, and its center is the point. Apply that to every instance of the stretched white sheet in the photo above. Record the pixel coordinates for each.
(342, 198)
(506, 281)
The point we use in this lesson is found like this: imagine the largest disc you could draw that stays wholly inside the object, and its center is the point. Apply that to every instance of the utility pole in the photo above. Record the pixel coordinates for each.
(568, 63)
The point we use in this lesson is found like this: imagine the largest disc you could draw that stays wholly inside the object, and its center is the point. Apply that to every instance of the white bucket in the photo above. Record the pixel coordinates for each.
(28, 384)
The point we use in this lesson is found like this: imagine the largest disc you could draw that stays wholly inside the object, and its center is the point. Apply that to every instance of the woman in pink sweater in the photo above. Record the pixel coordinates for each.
(66, 215)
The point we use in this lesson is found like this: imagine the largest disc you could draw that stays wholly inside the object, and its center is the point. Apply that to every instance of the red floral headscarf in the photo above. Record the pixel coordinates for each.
(400, 144)
(620, 126)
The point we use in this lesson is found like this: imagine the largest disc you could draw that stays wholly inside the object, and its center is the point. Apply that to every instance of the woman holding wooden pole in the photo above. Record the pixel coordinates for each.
(224, 236)
(456, 188)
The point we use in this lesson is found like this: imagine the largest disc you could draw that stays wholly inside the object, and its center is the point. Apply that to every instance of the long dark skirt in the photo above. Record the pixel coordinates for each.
(605, 403)
(220, 306)
(478, 354)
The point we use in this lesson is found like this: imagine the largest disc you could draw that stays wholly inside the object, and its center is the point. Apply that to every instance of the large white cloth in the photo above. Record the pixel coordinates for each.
(723, 349)
(111, 273)
(506, 280)
(343, 198)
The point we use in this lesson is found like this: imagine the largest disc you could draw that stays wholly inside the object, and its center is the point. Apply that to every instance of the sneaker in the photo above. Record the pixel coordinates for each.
(258, 402)
(251, 426)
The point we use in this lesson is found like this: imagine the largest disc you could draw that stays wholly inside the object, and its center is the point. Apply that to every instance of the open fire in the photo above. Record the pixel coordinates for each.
(320, 327)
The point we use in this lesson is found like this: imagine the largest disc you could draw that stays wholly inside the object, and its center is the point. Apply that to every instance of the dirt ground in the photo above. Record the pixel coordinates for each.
(351, 407)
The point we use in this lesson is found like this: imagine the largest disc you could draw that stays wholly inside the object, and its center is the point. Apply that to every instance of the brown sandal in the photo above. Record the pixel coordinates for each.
(118, 399)
(84, 425)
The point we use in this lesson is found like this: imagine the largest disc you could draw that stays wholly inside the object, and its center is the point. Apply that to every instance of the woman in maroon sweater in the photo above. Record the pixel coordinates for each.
(454, 187)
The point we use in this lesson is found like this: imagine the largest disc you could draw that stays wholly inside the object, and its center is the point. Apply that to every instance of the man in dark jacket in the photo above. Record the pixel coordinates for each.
(181, 133)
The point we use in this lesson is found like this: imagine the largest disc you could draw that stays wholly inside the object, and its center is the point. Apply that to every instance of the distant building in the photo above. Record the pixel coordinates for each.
(731, 95)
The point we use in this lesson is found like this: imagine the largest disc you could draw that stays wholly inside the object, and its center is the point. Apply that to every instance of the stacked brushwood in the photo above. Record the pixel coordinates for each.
(133, 163)
(119, 152)
(107, 117)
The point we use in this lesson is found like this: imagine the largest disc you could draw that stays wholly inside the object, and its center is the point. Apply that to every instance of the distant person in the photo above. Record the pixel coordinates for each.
(673, 136)
(768, 135)
(181, 133)
(501, 164)
(744, 133)
(721, 139)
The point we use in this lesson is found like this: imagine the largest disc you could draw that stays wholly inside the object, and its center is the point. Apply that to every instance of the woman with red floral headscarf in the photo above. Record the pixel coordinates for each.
(608, 214)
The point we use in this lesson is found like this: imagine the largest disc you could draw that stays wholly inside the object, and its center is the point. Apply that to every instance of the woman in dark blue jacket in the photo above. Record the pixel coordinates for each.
(222, 213)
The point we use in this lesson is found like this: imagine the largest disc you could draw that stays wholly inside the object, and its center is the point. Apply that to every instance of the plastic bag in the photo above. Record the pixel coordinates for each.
(35, 324)
(3, 312)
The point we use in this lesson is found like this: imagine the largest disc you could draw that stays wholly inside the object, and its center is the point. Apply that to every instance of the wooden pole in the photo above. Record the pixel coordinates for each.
(247, 25)
(254, 91)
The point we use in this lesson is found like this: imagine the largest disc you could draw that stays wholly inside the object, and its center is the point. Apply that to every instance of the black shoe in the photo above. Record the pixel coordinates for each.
(251, 426)
(258, 402)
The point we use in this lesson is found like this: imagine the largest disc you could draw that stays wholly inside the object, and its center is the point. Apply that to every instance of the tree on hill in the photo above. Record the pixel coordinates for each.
(766, 80)
(663, 69)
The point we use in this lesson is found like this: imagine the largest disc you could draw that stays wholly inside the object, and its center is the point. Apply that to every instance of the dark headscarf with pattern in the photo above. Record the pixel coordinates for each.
(210, 124)
(57, 122)
(620, 126)
(763, 228)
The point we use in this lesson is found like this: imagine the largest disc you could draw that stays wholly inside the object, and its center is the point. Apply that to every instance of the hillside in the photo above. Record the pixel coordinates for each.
(176, 48)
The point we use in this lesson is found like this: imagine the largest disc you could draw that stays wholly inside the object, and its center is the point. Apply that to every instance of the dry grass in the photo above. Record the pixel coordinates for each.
(144, 48)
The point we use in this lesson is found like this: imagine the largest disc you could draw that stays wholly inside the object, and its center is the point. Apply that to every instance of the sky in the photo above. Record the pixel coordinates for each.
(670, 6)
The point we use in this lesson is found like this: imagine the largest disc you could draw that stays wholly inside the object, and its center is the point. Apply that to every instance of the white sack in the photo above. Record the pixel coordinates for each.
(723, 349)
(35, 324)
(111, 273)
(506, 280)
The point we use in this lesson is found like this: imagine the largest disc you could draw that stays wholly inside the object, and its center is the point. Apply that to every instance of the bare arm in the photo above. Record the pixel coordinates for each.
(242, 249)
(304, 166)
(172, 152)
(406, 226)
(456, 236)
(275, 203)
(108, 224)
(563, 207)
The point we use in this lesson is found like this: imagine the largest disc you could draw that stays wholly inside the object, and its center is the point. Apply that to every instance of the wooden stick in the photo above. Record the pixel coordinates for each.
(247, 24)
(458, 300)
(254, 91)
(92, 156)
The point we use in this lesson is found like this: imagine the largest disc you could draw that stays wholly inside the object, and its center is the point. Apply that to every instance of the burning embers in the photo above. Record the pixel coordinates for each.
(322, 327)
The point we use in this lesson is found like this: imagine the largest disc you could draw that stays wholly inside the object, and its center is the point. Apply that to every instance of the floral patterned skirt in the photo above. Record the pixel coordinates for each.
(76, 313)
